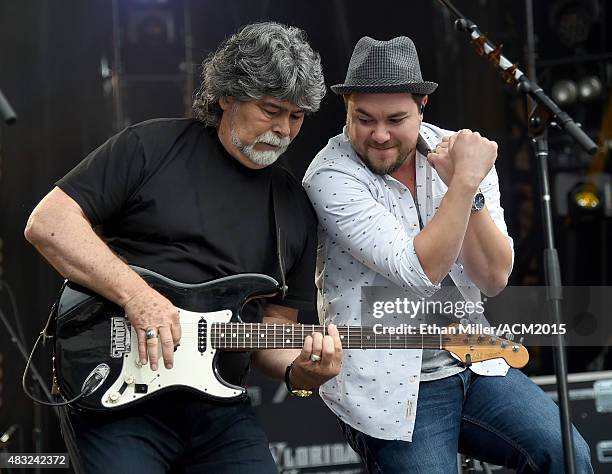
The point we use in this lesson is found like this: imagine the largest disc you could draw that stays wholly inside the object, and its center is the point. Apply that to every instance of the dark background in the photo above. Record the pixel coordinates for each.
(77, 71)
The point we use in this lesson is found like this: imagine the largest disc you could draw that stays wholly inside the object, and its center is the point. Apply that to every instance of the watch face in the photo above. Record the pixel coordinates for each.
(479, 202)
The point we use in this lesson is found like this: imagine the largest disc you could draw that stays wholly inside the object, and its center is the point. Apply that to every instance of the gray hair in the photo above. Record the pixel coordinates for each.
(262, 59)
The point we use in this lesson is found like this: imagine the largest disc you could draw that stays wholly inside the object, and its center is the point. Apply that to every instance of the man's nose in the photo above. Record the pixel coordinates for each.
(380, 134)
(282, 126)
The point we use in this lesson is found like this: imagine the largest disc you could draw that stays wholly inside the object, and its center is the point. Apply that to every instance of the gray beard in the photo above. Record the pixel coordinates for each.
(261, 158)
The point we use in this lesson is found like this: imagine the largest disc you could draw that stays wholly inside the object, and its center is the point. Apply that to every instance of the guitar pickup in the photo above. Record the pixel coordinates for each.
(202, 335)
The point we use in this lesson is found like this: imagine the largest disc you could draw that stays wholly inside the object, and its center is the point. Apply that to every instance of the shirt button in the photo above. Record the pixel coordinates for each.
(413, 378)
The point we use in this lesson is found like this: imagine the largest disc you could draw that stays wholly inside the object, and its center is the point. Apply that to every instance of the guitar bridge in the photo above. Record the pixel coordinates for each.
(121, 337)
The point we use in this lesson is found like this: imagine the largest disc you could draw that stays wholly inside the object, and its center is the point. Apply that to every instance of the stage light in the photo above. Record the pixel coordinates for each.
(590, 88)
(584, 199)
(572, 20)
(587, 200)
(569, 92)
(564, 92)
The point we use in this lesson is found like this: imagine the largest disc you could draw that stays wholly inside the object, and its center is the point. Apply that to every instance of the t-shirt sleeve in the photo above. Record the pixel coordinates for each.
(105, 180)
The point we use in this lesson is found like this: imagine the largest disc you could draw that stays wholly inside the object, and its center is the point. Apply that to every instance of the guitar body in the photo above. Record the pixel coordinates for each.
(90, 331)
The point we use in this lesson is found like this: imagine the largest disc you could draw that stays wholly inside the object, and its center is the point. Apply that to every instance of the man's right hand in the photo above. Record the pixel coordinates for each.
(150, 310)
(472, 155)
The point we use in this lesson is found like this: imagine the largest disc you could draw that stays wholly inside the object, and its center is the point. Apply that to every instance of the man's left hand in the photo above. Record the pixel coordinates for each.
(309, 372)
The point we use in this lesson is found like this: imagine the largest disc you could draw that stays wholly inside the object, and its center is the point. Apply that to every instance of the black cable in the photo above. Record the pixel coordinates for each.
(83, 393)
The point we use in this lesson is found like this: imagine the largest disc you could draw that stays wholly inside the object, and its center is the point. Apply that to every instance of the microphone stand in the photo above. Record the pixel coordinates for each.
(8, 115)
(37, 428)
(546, 112)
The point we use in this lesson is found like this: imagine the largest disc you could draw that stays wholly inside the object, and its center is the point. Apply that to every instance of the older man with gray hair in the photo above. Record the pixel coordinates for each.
(194, 200)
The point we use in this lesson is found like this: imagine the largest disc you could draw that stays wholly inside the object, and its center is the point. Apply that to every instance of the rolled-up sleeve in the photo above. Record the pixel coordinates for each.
(351, 217)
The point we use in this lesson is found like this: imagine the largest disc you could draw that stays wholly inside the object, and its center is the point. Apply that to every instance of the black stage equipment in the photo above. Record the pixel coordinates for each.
(545, 113)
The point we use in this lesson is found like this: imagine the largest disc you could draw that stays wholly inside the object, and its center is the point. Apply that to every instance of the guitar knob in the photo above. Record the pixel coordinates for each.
(504, 344)
(113, 397)
(129, 379)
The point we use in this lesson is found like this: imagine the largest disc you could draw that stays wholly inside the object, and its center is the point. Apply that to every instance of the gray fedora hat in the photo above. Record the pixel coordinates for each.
(384, 66)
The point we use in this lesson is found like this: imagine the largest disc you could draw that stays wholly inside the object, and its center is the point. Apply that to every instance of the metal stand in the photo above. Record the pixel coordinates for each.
(39, 386)
(545, 112)
(552, 276)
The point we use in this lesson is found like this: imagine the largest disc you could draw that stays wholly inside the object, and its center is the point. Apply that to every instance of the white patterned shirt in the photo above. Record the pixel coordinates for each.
(367, 224)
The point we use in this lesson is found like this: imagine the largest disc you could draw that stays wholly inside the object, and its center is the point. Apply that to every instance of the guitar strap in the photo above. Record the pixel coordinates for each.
(280, 237)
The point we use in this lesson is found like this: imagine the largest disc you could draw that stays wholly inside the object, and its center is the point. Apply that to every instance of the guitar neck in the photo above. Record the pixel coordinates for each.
(253, 336)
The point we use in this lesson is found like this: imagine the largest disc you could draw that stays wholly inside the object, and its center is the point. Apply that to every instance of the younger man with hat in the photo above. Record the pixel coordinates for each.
(391, 216)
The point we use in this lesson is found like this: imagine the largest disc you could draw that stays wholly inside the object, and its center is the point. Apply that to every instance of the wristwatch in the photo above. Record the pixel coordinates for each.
(295, 392)
(479, 202)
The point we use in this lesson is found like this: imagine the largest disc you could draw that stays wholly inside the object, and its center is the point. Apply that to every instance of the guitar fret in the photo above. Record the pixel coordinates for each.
(239, 336)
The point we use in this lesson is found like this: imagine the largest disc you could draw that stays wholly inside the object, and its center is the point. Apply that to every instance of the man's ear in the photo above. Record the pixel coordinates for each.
(423, 104)
(225, 101)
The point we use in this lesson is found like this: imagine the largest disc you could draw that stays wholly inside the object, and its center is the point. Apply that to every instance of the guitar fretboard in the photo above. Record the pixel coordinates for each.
(250, 336)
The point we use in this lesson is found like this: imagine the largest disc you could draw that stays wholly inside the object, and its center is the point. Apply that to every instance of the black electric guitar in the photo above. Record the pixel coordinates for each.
(96, 349)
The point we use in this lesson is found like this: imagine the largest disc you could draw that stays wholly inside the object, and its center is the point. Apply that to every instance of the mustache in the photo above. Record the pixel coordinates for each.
(271, 138)
(384, 146)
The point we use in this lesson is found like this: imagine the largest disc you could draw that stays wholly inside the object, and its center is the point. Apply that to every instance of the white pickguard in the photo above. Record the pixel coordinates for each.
(191, 367)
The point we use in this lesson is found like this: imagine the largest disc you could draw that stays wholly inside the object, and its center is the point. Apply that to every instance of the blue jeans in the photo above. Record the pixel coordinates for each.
(174, 433)
(507, 421)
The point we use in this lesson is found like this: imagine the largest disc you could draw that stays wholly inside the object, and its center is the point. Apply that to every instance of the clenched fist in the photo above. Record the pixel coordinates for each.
(465, 156)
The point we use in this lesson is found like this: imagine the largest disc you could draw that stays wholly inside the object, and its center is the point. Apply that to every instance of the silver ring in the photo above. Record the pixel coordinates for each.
(315, 358)
(151, 333)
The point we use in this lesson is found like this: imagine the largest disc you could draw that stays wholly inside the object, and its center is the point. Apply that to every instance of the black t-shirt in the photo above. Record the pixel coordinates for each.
(169, 198)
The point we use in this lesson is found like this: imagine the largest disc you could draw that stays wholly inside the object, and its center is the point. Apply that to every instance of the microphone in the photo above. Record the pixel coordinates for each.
(426, 143)
(463, 24)
(422, 146)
